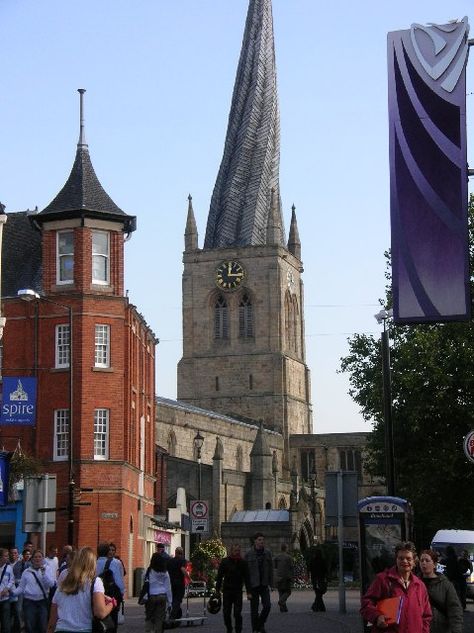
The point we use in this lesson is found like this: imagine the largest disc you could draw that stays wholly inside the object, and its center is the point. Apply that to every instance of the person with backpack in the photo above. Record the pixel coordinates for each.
(35, 583)
(113, 582)
(79, 597)
(159, 597)
(7, 584)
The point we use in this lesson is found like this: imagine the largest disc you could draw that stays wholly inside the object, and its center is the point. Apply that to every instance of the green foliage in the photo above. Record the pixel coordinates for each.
(21, 467)
(205, 559)
(432, 372)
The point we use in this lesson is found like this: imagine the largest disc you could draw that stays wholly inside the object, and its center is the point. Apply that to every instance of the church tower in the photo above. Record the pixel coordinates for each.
(243, 318)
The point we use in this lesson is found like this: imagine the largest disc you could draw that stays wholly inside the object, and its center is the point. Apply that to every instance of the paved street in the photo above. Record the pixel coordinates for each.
(299, 618)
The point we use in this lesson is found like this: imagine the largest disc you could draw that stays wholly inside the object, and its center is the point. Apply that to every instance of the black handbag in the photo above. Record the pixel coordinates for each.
(106, 625)
(145, 590)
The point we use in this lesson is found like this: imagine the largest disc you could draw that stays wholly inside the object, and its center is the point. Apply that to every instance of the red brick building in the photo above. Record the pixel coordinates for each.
(70, 257)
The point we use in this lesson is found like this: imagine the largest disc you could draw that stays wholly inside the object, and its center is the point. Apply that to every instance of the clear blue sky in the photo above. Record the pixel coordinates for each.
(159, 76)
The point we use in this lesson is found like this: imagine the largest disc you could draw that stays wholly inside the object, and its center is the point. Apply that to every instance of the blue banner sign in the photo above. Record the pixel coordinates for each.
(19, 401)
(4, 477)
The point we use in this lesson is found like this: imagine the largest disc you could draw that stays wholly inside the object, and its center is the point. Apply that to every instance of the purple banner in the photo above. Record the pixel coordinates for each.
(428, 172)
(4, 476)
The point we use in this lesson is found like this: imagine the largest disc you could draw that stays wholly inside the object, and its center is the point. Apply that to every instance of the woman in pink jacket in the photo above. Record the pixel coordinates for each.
(399, 581)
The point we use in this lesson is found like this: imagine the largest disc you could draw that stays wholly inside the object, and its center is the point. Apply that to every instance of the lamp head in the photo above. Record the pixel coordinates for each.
(198, 440)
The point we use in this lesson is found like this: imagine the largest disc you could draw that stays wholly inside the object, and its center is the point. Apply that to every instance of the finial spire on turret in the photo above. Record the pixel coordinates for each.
(294, 243)
(274, 233)
(190, 233)
(82, 135)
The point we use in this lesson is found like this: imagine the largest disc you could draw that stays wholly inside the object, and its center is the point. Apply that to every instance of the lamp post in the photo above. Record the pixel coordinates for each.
(382, 317)
(3, 219)
(312, 479)
(28, 294)
(198, 443)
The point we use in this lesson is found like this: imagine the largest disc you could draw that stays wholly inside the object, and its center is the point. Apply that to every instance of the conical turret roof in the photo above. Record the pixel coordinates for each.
(250, 166)
(82, 194)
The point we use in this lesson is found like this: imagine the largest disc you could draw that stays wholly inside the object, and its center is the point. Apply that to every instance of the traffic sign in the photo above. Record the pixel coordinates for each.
(469, 445)
(199, 512)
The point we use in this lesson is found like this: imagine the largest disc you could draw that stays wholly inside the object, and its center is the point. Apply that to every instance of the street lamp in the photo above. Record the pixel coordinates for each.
(27, 294)
(3, 219)
(382, 317)
(312, 479)
(198, 443)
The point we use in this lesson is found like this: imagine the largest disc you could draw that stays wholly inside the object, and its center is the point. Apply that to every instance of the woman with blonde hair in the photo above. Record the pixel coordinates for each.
(79, 597)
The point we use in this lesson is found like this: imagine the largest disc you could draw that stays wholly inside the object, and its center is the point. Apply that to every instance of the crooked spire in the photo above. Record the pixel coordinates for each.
(249, 170)
(294, 243)
(190, 233)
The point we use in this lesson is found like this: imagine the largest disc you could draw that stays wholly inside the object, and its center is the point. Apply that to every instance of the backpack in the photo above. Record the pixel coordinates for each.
(110, 586)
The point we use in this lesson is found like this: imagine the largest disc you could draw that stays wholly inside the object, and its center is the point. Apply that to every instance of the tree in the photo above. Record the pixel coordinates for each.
(433, 409)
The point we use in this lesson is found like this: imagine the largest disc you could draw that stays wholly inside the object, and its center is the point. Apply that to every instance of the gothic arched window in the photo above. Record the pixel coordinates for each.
(245, 317)
(221, 318)
(295, 322)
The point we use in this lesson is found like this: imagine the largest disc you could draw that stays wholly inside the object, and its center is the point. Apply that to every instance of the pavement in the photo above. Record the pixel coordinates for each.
(299, 619)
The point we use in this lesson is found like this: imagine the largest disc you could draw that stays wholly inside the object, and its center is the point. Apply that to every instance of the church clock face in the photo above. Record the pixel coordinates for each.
(230, 275)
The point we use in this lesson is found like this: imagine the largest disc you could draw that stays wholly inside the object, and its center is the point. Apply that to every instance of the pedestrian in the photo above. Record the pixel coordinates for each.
(113, 552)
(66, 558)
(232, 575)
(113, 581)
(79, 596)
(318, 571)
(284, 574)
(7, 586)
(178, 574)
(15, 605)
(260, 562)
(445, 605)
(51, 560)
(465, 571)
(159, 594)
(35, 584)
(399, 582)
(160, 549)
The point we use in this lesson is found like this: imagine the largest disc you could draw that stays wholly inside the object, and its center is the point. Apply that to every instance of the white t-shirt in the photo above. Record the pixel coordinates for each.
(75, 611)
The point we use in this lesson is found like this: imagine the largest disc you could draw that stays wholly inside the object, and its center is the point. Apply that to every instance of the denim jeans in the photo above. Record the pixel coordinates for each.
(5, 617)
(259, 593)
(35, 613)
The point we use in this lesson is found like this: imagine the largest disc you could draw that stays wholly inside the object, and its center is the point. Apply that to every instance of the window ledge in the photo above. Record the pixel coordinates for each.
(107, 370)
(58, 370)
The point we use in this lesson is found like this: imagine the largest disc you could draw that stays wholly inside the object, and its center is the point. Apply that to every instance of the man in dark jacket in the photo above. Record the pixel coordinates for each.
(260, 564)
(232, 574)
(284, 573)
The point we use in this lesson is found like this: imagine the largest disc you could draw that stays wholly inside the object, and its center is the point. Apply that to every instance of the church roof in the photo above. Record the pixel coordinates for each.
(82, 194)
(260, 516)
(249, 169)
(21, 254)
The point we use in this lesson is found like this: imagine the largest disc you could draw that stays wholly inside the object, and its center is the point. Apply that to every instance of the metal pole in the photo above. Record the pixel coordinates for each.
(340, 541)
(199, 484)
(71, 485)
(387, 399)
(313, 499)
(44, 522)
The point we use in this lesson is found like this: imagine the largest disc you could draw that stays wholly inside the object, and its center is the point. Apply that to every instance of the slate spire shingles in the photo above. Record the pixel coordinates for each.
(250, 166)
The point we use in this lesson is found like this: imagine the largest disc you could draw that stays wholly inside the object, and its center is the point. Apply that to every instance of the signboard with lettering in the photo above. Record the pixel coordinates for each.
(199, 512)
(19, 400)
(469, 446)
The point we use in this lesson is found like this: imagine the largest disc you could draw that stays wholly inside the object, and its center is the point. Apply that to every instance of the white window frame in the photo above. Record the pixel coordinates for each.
(59, 256)
(102, 345)
(101, 434)
(61, 435)
(106, 256)
(62, 346)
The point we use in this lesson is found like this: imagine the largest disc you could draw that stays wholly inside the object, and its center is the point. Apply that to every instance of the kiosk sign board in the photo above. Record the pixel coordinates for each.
(384, 522)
